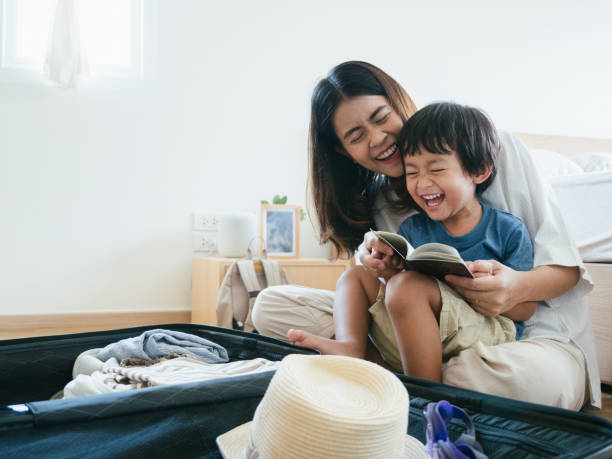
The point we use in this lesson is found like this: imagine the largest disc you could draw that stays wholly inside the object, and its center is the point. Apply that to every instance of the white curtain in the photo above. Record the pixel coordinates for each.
(63, 61)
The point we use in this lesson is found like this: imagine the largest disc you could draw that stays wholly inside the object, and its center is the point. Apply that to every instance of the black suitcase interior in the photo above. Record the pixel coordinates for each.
(183, 420)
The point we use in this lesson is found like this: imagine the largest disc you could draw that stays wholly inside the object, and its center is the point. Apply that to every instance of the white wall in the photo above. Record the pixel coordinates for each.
(97, 184)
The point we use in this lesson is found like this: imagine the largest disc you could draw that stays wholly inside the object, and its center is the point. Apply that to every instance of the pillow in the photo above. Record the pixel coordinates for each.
(594, 162)
(554, 164)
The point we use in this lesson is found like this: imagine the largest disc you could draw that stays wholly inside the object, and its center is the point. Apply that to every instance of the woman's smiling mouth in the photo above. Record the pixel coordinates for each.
(389, 155)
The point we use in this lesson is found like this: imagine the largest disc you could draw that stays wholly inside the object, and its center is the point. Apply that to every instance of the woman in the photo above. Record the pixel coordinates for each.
(356, 178)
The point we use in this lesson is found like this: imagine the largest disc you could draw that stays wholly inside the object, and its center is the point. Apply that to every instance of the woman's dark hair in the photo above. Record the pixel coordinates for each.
(445, 126)
(342, 190)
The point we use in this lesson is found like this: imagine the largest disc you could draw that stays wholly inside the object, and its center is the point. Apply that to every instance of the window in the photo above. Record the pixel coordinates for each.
(25, 32)
(111, 35)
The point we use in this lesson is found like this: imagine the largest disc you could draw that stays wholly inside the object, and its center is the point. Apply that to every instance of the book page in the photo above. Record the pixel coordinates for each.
(439, 268)
(435, 251)
(437, 260)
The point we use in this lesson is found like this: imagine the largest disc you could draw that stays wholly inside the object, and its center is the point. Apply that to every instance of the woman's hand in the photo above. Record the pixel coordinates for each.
(496, 288)
(377, 257)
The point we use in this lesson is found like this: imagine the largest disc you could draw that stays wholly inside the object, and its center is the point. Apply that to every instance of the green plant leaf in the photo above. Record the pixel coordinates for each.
(263, 201)
(302, 214)
(283, 200)
(276, 199)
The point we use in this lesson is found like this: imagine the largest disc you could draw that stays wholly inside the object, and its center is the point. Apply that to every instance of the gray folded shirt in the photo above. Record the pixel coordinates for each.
(157, 343)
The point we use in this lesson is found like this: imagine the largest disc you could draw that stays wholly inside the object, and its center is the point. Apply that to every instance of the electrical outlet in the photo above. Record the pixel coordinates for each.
(204, 241)
(206, 221)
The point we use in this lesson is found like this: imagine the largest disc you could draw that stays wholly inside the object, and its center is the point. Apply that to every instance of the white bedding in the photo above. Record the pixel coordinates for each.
(586, 202)
(583, 185)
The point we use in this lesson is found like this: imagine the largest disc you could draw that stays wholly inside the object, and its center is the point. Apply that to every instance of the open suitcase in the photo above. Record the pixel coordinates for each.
(183, 420)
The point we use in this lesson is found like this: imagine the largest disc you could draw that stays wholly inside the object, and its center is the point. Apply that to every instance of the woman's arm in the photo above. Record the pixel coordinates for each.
(522, 311)
(550, 281)
(520, 190)
(505, 288)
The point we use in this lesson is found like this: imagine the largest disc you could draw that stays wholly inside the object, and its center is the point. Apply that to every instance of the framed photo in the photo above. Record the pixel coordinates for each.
(280, 230)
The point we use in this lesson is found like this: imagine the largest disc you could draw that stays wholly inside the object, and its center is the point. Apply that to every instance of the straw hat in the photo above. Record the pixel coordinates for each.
(327, 407)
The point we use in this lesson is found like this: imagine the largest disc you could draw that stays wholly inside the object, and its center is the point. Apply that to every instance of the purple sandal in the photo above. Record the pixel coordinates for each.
(439, 446)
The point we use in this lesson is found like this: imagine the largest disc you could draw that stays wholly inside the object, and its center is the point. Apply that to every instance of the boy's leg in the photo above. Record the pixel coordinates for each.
(461, 327)
(413, 302)
(356, 290)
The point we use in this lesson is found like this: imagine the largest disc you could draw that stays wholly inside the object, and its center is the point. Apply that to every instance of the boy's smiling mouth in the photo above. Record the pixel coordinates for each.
(433, 200)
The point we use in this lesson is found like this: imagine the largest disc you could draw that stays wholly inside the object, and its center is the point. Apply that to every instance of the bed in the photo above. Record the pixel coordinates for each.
(580, 172)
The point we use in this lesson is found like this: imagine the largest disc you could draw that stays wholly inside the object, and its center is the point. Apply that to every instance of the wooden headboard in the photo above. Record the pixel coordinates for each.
(600, 299)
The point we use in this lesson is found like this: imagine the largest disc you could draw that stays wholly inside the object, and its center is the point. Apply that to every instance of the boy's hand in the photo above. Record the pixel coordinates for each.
(393, 265)
(377, 257)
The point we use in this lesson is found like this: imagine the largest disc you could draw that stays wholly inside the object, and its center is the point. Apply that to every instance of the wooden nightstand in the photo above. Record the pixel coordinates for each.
(208, 273)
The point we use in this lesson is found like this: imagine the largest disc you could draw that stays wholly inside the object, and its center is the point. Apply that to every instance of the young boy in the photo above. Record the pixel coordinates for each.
(418, 321)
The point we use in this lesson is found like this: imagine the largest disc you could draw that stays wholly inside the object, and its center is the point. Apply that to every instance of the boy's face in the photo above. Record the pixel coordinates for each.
(441, 187)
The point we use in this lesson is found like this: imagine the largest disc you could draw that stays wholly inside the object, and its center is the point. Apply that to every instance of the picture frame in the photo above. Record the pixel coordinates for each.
(280, 231)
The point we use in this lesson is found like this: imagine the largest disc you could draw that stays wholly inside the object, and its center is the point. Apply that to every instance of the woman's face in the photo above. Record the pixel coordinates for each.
(368, 128)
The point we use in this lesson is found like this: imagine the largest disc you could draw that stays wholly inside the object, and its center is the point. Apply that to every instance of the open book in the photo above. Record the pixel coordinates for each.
(433, 259)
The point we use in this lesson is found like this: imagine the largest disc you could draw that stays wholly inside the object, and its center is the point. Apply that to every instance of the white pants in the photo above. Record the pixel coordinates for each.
(541, 371)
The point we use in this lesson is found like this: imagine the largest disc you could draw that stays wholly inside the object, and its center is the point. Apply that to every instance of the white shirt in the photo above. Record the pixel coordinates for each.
(519, 189)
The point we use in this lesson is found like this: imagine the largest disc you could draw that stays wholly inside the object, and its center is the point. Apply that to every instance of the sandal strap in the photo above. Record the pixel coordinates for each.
(438, 416)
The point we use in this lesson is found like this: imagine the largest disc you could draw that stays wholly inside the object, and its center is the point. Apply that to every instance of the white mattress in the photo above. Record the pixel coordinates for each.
(586, 202)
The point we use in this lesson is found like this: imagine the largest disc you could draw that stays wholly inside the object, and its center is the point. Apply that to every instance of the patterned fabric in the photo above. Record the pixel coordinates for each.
(113, 377)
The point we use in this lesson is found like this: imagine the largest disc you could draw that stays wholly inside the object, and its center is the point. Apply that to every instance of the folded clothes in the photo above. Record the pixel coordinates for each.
(111, 377)
(87, 362)
(157, 343)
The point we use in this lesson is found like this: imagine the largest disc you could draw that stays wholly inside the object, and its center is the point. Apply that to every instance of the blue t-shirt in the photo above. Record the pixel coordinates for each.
(498, 236)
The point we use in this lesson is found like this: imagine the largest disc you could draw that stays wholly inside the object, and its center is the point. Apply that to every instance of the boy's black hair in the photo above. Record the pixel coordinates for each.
(445, 126)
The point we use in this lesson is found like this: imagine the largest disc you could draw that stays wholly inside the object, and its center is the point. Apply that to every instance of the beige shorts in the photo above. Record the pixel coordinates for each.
(461, 327)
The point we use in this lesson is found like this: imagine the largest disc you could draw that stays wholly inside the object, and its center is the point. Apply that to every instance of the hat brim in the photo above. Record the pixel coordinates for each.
(232, 444)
